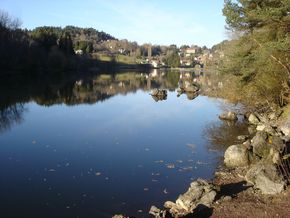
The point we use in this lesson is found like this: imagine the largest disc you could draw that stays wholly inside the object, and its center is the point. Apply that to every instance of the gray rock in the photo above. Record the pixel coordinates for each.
(157, 213)
(261, 127)
(226, 198)
(272, 116)
(118, 216)
(199, 192)
(236, 156)
(277, 143)
(253, 119)
(252, 130)
(260, 145)
(191, 88)
(242, 137)
(228, 116)
(285, 130)
(265, 178)
(159, 92)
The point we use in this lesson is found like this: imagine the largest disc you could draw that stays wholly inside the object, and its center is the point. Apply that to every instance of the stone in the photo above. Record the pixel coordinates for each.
(261, 127)
(157, 213)
(236, 156)
(265, 178)
(253, 119)
(191, 88)
(285, 130)
(159, 92)
(118, 216)
(200, 192)
(252, 130)
(229, 116)
(154, 92)
(277, 143)
(226, 198)
(260, 145)
(242, 137)
(272, 116)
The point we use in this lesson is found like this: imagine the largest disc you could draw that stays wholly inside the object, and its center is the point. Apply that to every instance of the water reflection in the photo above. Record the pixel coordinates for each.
(222, 134)
(10, 115)
(96, 145)
(90, 89)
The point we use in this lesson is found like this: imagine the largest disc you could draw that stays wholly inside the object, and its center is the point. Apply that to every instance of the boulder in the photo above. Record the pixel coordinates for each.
(253, 119)
(157, 213)
(265, 178)
(191, 95)
(200, 192)
(191, 88)
(159, 92)
(236, 156)
(159, 97)
(229, 116)
(260, 145)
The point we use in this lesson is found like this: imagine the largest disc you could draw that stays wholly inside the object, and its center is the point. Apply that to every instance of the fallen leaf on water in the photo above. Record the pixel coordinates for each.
(170, 166)
(159, 161)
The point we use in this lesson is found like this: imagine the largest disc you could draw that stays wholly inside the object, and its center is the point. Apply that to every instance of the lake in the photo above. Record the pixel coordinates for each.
(101, 145)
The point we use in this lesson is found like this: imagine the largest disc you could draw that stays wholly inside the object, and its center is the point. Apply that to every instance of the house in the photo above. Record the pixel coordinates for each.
(79, 52)
(154, 63)
(189, 52)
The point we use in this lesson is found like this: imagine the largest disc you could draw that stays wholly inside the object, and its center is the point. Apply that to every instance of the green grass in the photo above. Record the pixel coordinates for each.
(124, 59)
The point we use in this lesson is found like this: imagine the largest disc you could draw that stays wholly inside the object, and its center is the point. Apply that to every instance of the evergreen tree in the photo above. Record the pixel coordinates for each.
(66, 44)
(260, 56)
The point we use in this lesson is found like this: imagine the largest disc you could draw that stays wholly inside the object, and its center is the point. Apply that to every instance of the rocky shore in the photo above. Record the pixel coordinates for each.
(253, 181)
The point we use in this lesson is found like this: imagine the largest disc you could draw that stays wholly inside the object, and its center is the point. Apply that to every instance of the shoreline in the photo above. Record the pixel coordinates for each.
(255, 188)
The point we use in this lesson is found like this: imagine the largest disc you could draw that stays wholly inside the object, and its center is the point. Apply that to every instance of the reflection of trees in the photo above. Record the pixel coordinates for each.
(84, 89)
(11, 115)
(221, 134)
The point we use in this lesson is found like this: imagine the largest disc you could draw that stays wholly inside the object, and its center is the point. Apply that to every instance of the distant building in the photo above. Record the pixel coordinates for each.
(190, 51)
(154, 63)
(79, 52)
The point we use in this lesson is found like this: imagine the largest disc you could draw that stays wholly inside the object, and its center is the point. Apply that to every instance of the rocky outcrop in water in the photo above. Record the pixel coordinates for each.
(190, 89)
(159, 94)
(200, 192)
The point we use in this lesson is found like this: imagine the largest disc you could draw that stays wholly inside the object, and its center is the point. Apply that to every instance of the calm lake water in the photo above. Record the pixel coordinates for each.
(102, 145)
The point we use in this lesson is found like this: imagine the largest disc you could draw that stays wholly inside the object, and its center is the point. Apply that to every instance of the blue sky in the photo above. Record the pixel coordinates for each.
(162, 22)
